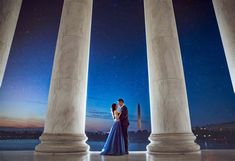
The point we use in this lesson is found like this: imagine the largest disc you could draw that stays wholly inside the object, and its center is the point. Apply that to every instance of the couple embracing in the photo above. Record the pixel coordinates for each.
(117, 141)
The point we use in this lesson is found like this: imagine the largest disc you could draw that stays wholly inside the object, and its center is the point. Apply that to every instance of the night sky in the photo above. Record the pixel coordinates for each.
(118, 63)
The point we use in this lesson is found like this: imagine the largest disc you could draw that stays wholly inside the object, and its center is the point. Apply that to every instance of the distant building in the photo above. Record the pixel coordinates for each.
(138, 118)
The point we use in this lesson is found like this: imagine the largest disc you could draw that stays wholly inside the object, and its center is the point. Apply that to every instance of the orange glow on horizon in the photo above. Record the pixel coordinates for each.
(21, 123)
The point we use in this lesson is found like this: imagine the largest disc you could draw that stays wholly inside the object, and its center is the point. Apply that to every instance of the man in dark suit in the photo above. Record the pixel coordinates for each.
(124, 122)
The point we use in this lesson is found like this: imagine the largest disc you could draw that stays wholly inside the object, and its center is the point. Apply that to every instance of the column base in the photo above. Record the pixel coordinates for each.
(173, 143)
(52, 144)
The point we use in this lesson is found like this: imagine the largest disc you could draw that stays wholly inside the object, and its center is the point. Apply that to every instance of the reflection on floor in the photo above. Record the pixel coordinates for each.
(208, 155)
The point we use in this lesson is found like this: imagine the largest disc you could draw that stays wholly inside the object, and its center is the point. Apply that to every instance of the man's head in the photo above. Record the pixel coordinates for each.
(120, 102)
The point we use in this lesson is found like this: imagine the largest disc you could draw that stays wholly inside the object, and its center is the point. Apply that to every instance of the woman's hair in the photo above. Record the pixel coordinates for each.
(113, 108)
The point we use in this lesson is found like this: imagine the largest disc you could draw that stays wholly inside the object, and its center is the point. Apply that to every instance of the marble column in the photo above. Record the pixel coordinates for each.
(64, 130)
(170, 119)
(9, 13)
(225, 14)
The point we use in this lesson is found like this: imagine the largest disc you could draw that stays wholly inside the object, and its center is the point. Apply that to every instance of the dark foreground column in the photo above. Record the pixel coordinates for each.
(9, 13)
(225, 14)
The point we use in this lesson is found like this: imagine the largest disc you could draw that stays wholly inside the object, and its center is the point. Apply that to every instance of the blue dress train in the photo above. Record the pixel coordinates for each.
(114, 144)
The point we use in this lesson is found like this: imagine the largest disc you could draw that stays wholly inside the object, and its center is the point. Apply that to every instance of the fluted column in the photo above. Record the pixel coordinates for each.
(170, 120)
(9, 13)
(64, 130)
(225, 14)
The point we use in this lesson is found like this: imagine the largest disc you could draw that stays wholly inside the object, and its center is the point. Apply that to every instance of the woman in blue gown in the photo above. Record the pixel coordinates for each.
(114, 144)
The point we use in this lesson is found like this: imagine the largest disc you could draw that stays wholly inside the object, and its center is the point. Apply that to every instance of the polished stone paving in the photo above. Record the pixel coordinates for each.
(207, 155)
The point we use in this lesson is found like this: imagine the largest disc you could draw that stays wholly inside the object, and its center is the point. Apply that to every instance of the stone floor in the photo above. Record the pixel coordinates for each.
(208, 155)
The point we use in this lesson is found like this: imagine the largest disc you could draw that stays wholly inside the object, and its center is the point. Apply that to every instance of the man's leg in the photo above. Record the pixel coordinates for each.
(125, 135)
